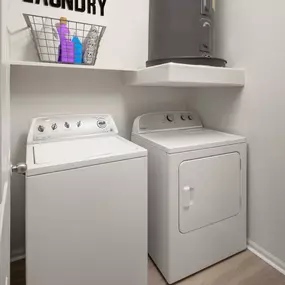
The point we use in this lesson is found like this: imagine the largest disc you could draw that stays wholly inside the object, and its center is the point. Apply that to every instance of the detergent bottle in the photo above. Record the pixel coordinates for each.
(77, 50)
(48, 41)
(66, 49)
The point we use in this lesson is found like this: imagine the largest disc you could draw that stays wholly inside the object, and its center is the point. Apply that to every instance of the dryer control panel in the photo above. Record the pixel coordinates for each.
(47, 129)
(167, 121)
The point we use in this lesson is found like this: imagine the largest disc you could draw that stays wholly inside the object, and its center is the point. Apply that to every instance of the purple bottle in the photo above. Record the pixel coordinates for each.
(66, 49)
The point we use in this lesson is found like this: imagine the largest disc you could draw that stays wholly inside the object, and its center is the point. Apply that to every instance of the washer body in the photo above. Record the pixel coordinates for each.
(86, 203)
(197, 192)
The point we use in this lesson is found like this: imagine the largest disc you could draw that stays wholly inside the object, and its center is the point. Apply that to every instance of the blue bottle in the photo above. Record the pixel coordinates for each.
(77, 50)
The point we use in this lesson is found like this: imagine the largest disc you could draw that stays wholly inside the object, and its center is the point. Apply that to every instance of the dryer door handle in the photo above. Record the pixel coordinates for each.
(188, 196)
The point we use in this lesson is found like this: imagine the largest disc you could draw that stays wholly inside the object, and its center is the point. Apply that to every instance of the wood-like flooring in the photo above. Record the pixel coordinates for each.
(242, 269)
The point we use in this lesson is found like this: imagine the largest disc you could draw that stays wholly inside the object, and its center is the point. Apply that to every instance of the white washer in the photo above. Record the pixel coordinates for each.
(197, 192)
(86, 203)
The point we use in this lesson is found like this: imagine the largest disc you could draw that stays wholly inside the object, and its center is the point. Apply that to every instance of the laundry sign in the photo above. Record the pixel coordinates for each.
(83, 6)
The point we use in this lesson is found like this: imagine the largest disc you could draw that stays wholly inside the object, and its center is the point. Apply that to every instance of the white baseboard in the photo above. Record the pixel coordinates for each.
(267, 256)
(17, 258)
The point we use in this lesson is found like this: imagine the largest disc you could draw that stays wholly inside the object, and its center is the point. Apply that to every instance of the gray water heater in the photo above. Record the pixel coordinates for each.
(181, 31)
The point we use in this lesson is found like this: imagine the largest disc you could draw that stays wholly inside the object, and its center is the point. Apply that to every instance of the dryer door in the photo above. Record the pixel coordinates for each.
(209, 191)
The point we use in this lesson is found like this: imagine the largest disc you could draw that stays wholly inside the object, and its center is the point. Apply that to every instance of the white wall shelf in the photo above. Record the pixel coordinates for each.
(182, 75)
(60, 65)
(165, 75)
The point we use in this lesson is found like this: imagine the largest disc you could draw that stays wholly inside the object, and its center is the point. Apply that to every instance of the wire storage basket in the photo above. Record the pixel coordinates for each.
(65, 41)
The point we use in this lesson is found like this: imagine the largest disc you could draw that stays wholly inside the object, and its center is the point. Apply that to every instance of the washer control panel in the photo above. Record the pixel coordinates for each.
(167, 121)
(69, 126)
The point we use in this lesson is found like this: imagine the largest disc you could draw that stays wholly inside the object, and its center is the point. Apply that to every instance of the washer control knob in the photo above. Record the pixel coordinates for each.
(190, 117)
(41, 129)
(54, 127)
(79, 124)
(67, 125)
(102, 124)
(170, 118)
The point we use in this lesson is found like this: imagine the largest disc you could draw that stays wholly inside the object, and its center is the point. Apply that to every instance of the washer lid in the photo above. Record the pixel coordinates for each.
(63, 155)
(176, 141)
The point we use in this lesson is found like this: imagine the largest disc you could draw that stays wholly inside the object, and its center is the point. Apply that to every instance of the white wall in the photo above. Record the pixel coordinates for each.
(251, 35)
(52, 91)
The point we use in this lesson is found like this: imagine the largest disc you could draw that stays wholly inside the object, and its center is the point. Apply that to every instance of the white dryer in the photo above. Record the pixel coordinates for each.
(86, 203)
(197, 192)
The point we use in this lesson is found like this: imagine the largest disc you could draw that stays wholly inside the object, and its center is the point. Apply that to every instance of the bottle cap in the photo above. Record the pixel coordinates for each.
(63, 20)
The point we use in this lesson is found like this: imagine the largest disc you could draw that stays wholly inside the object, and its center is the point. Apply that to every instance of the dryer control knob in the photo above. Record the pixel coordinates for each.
(170, 118)
(79, 124)
(183, 117)
(67, 125)
(41, 129)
